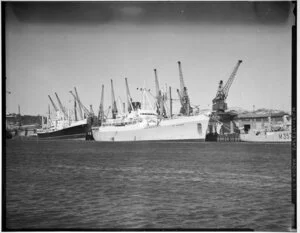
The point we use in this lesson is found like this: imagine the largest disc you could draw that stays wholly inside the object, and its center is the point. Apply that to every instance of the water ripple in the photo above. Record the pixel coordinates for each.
(89, 185)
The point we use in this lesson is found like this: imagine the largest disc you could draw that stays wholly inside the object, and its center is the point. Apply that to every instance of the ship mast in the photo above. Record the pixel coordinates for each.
(114, 109)
(75, 110)
(49, 114)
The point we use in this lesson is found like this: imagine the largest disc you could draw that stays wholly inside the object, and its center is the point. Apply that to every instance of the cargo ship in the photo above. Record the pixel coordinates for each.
(152, 121)
(63, 125)
(63, 129)
(145, 125)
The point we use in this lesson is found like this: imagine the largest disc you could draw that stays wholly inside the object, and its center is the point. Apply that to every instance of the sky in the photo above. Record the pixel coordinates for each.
(56, 46)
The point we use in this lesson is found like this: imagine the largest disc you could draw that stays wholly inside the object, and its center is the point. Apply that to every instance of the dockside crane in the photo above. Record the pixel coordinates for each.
(186, 108)
(114, 109)
(128, 97)
(219, 104)
(101, 107)
(159, 97)
(62, 108)
(53, 104)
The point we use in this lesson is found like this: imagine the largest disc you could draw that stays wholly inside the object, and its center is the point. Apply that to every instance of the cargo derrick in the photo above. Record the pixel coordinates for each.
(161, 111)
(114, 109)
(219, 104)
(89, 115)
(62, 108)
(49, 113)
(86, 111)
(53, 104)
(75, 110)
(132, 105)
(186, 108)
(101, 107)
(79, 108)
(128, 97)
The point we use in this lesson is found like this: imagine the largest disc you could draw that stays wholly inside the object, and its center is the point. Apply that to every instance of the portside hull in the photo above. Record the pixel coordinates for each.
(280, 136)
(78, 132)
(167, 131)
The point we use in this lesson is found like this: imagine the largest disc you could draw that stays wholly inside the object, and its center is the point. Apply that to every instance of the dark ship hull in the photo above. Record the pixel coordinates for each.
(78, 132)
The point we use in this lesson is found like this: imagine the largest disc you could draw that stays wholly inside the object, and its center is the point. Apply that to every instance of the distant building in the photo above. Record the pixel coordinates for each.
(255, 121)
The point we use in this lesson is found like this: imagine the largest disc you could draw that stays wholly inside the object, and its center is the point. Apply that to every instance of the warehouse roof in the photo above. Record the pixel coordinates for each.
(260, 115)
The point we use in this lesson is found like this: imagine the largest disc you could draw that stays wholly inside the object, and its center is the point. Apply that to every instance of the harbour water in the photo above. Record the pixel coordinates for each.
(145, 185)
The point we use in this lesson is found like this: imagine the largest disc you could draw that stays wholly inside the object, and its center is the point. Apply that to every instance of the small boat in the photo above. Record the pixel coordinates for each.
(263, 136)
(273, 133)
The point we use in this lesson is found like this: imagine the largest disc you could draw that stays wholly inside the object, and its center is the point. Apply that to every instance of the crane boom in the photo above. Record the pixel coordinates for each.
(49, 113)
(128, 96)
(107, 111)
(231, 78)
(101, 108)
(53, 104)
(182, 85)
(114, 104)
(159, 97)
(79, 108)
(86, 111)
(180, 97)
(156, 84)
(62, 108)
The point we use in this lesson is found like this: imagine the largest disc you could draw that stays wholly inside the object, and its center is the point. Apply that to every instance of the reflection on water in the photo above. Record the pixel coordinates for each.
(90, 185)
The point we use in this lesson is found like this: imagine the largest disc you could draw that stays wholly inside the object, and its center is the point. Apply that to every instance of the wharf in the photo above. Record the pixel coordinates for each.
(234, 137)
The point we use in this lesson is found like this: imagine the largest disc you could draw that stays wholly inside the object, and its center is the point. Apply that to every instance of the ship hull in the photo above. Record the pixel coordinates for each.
(280, 136)
(185, 128)
(78, 132)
